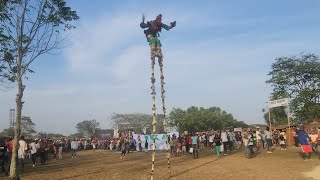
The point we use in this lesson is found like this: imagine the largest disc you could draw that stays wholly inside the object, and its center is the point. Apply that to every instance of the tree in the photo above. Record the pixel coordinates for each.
(87, 128)
(76, 135)
(278, 116)
(298, 77)
(28, 30)
(8, 132)
(136, 122)
(196, 119)
(27, 126)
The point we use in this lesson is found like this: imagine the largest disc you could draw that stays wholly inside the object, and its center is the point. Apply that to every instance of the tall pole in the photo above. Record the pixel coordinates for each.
(289, 123)
(154, 116)
(164, 109)
(269, 118)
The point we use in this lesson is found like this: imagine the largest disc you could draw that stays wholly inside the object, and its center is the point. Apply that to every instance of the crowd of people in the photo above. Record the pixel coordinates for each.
(223, 143)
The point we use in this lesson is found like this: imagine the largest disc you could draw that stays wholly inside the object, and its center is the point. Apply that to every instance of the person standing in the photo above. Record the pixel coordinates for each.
(146, 146)
(239, 140)
(123, 148)
(211, 137)
(304, 141)
(314, 143)
(295, 137)
(268, 136)
(195, 142)
(8, 156)
(60, 146)
(183, 144)
(224, 139)
(23, 147)
(33, 149)
(251, 145)
(259, 138)
(139, 143)
(217, 140)
(42, 150)
(245, 144)
(74, 147)
(189, 142)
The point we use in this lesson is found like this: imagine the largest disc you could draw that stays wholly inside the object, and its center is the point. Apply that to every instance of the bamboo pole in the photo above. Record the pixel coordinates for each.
(289, 125)
(154, 117)
(164, 110)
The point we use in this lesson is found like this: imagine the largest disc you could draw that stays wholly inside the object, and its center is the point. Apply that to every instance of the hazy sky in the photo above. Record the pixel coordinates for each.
(218, 55)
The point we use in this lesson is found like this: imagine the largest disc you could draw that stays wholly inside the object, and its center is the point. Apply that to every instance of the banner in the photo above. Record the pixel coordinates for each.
(237, 129)
(160, 140)
(279, 102)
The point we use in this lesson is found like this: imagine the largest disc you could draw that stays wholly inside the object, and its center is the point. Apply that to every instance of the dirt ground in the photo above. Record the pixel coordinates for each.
(108, 165)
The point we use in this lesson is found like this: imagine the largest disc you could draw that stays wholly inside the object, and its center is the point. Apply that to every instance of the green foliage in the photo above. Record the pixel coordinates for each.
(29, 29)
(136, 122)
(7, 132)
(77, 135)
(278, 116)
(196, 119)
(87, 128)
(298, 77)
(27, 126)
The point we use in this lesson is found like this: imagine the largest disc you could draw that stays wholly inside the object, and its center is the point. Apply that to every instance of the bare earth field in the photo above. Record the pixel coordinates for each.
(108, 165)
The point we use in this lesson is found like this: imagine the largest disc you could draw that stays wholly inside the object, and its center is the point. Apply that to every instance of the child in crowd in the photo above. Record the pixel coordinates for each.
(282, 142)
(245, 144)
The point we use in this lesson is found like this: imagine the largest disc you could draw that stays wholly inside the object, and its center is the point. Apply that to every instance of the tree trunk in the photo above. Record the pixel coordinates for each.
(17, 131)
(13, 166)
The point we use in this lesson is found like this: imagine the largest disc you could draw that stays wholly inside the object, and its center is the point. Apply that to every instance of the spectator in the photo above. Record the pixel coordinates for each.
(305, 146)
(268, 136)
(23, 147)
(314, 142)
(146, 146)
(195, 146)
(217, 140)
(295, 137)
(34, 148)
(74, 147)
(42, 149)
(224, 139)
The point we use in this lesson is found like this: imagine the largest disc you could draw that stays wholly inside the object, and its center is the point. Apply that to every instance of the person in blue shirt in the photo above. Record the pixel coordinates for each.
(195, 145)
(303, 138)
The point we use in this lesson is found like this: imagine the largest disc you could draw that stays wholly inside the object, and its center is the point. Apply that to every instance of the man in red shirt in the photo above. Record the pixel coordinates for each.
(189, 143)
(9, 155)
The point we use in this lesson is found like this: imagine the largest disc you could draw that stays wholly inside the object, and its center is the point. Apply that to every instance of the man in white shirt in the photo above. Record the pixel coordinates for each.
(34, 146)
(22, 151)
(268, 135)
(258, 135)
(224, 139)
(211, 141)
(74, 147)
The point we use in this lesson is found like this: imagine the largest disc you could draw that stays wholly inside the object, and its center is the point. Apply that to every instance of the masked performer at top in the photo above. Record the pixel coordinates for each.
(152, 33)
